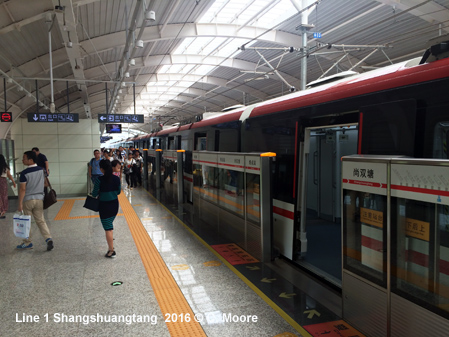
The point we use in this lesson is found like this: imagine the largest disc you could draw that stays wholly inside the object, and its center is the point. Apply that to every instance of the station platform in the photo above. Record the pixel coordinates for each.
(165, 281)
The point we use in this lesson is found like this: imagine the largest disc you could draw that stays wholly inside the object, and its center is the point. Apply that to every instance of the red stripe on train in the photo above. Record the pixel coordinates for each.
(283, 212)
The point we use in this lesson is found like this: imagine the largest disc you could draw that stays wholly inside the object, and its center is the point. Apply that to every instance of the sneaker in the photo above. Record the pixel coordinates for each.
(25, 246)
(49, 242)
(110, 255)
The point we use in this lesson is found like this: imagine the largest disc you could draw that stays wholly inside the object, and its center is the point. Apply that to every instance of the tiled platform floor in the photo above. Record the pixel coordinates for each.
(75, 279)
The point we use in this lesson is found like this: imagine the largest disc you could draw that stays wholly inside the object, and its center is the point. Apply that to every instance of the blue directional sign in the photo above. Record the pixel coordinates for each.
(120, 118)
(34, 117)
(317, 35)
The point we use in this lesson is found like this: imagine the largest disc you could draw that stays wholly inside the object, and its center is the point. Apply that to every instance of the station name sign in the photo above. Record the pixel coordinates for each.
(34, 117)
(120, 118)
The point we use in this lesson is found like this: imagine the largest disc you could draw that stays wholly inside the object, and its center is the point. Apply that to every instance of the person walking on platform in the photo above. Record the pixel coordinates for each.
(4, 171)
(107, 155)
(123, 152)
(127, 169)
(31, 198)
(94, 167)
(41, 161)
(107, 187)
(137, 168)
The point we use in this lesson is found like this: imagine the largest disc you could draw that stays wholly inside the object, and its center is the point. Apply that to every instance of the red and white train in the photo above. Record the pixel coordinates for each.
(402, 109)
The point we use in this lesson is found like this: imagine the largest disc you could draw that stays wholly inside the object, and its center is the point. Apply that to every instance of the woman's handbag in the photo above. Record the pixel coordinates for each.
(92, 203)
(21, 225)
(50, 195)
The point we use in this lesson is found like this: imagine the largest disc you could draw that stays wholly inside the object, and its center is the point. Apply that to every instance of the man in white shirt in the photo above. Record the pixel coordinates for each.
(31, 198)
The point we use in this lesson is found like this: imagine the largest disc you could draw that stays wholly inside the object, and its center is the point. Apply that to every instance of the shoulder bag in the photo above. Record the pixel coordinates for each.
(50, 195)
(92, 203)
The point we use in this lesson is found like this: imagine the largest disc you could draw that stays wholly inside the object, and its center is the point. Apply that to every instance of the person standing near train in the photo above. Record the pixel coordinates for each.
(107, 187)
(5, 172)
(94, 167)
(137, 168)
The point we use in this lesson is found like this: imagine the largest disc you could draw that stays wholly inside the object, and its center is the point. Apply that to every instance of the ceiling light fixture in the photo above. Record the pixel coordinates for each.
(132, 62)
(139, 44)
(127, 74)
(150, 16)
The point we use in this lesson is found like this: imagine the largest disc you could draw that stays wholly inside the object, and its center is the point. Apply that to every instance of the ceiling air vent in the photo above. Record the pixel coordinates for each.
(332, 78)
(233, 107)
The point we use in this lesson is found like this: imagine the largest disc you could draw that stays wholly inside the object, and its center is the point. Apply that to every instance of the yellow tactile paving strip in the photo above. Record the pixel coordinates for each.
(169, 296)
(284, 315)
(64, 212)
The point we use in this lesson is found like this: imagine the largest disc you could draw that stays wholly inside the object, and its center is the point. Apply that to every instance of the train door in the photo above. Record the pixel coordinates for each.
(321, 198)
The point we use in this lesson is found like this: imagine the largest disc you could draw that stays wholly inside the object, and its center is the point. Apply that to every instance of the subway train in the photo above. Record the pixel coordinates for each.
(401, 109)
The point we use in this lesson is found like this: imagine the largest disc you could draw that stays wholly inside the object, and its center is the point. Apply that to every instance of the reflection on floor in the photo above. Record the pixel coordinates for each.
(279, 283)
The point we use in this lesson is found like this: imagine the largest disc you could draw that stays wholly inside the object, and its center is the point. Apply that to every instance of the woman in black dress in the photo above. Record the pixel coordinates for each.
(108, 188)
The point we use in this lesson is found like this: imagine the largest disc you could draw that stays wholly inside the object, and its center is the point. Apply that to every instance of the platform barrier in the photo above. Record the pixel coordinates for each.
(230, 192)
(396, 245)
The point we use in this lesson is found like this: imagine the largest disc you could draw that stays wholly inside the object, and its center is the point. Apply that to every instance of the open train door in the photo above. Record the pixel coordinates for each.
(320, 197)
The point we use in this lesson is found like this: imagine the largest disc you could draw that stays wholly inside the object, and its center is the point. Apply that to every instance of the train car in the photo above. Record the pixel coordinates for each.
(402, 109)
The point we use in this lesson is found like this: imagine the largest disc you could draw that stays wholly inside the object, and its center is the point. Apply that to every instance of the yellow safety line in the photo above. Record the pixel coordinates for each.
(281, 312)
(170, 298)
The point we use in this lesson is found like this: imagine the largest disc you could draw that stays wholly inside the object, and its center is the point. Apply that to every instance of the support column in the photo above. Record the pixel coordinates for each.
(180, 175)
(158, 168)
(266, 205)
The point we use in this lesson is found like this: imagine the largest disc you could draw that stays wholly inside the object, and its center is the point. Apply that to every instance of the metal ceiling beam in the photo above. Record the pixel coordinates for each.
(179, 31)
(155, 60)
(67, 26)
(429, 11)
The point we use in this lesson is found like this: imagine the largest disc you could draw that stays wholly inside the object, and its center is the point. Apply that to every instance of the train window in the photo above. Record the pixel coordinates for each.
(389, 128)
(267, 134)
(228, 140)
(200, 141)
(436, 132)
(420, 253)
(440, 140)
(171, 143)
(364, 235)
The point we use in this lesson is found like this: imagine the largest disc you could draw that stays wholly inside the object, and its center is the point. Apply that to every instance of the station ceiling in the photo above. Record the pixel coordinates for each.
(182, 58)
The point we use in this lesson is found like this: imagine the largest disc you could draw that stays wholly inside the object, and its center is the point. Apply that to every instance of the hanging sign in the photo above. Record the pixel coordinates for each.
(34, 117)
(120, 118)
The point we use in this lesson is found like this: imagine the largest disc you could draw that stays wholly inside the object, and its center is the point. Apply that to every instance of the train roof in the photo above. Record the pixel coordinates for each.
(393, 76)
